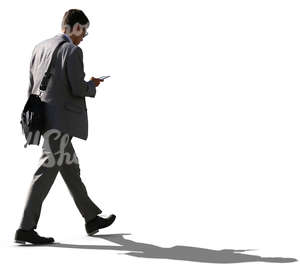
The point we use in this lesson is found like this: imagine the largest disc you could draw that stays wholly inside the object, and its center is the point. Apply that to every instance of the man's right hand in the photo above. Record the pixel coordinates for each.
(96, 81)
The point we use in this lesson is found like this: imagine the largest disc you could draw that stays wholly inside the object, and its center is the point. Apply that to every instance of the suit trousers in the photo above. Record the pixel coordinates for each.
(58, 156)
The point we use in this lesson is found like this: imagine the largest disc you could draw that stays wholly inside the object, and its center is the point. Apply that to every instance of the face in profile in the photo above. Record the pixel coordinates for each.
(78, 33)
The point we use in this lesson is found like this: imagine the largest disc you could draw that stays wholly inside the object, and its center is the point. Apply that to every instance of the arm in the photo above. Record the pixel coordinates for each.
(75, 74)
(31, 82)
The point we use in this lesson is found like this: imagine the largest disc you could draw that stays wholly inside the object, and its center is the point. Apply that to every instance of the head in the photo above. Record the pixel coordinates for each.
(75, 24)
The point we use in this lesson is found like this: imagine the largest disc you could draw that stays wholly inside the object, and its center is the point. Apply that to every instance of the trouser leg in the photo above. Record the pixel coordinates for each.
(71, 175)
(54, 159)
(41, 183)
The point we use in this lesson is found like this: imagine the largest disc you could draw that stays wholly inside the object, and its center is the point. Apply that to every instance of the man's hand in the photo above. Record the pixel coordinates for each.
(96, 81)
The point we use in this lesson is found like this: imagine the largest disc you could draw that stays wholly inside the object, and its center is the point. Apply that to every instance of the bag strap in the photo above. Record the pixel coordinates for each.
(44, 82)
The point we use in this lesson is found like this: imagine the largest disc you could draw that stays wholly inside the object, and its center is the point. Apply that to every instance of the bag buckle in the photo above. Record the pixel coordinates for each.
(40, 92)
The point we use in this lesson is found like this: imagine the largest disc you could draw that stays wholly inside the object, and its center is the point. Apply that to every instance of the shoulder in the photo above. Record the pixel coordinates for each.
(52, 42)
(74, 51)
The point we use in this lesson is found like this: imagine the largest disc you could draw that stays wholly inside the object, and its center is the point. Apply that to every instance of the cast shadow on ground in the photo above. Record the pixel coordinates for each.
(181, 253)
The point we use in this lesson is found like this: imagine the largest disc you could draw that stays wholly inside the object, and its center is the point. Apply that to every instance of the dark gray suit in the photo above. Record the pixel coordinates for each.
(66, 116)
(66, 91)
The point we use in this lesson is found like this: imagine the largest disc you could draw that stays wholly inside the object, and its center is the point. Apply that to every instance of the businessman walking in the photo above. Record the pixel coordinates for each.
(65, 118)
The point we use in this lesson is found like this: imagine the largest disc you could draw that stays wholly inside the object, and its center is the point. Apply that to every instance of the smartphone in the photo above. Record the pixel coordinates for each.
(103, 77)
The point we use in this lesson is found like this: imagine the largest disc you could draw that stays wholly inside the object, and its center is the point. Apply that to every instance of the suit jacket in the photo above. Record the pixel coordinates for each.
(65, 105)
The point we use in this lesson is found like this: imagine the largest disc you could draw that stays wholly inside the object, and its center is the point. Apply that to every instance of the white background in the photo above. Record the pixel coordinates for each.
(193, 141)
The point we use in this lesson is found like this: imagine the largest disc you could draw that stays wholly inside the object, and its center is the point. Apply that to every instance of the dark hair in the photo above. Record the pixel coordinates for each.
(73, 16)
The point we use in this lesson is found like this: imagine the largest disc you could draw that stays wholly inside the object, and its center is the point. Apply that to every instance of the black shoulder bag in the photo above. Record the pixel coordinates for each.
(32, 117)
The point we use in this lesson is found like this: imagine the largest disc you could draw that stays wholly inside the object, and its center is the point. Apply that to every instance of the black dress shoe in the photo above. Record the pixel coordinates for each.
(99, 222)
(30, 236)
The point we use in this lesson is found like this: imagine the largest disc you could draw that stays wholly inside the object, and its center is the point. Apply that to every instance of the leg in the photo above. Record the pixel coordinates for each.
(71, 175)
(42, 181)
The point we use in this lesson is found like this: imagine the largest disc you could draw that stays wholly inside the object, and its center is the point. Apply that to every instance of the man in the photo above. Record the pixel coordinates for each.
(65, 117)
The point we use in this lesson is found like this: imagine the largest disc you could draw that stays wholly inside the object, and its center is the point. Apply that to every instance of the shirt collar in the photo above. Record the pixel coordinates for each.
(68, 37)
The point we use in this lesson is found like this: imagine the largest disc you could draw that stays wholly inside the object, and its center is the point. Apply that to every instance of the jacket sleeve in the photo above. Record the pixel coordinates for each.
(75, 73)
(31, 82)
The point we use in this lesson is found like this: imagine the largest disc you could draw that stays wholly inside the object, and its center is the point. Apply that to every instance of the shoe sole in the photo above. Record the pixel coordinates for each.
(20, 242)
(93, 232)
(24, 243)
